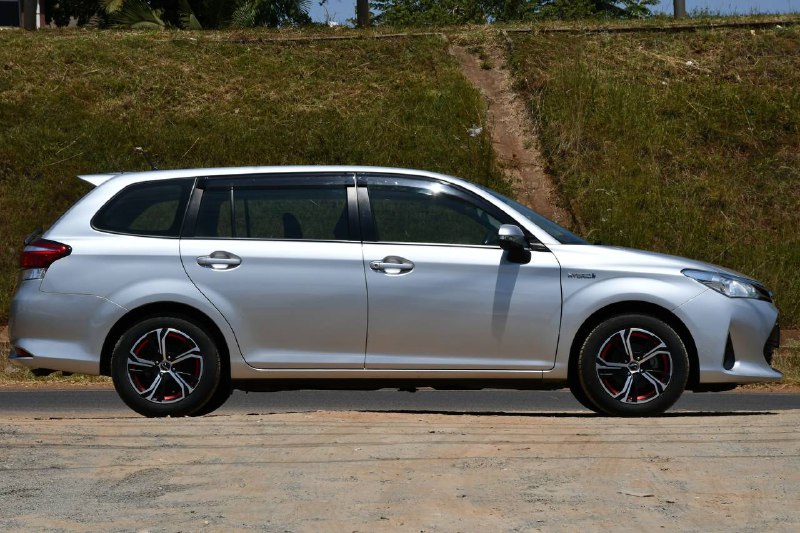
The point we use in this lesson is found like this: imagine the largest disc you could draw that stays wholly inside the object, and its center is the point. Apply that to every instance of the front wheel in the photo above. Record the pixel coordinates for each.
(633, 365)
(165, 366)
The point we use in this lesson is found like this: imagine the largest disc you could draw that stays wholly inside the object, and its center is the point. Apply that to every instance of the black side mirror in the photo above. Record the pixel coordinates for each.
(511, 238)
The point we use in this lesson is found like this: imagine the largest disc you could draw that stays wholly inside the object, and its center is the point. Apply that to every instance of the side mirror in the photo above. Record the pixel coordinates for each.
(511, 238)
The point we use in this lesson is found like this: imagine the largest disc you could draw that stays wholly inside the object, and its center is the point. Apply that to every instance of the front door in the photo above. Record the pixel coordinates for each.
(280, 260)
(442, 293)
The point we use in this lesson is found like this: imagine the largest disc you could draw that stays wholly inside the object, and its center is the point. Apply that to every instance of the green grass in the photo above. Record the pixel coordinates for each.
(684, 143)
(76, 102)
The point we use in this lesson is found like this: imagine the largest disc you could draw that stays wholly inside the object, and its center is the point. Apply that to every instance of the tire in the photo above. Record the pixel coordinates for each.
(221, 395)
(577, 392)
(633, 365)
(180, 381)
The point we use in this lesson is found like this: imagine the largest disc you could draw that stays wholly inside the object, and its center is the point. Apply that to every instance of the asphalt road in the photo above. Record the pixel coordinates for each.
(105, 403)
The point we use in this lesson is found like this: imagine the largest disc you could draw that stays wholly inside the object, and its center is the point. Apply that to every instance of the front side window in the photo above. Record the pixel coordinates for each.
(302, 213)
(429, 213)
(554, 230)
(152, 209)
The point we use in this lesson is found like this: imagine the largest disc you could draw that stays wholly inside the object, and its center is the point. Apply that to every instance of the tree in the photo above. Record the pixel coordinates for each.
(29, 8)
(452, 12)
(576, 9)
(362, 13)
(679, 8)
(187, 14)
(430, 12)
(272, 13)
(60, 12)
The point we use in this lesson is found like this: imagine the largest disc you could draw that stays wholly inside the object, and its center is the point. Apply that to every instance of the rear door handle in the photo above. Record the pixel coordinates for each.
(392, 265)
(219, 260)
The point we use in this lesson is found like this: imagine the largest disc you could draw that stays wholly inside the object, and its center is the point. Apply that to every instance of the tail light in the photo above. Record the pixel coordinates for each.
(40, 254)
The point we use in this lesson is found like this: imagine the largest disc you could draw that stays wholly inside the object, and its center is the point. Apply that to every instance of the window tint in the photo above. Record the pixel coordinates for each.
(429, 215)
(310, 213)
(152, 209)
(214, 215)
(560, 234)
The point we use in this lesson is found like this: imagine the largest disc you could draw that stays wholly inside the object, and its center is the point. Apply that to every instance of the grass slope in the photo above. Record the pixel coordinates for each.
(76, 102)
(685, 143)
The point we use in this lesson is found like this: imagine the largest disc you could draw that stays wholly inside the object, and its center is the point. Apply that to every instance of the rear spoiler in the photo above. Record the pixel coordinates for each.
(98, 179)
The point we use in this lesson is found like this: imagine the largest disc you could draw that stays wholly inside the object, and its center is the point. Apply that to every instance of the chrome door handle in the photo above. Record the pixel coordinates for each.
(392, 265)
(219, 260)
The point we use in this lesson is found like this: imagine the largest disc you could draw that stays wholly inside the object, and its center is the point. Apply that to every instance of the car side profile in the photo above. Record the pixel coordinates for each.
(184, 285)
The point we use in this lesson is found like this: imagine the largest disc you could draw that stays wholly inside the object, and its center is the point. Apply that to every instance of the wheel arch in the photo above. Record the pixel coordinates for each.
(165, 309)
(644, 308)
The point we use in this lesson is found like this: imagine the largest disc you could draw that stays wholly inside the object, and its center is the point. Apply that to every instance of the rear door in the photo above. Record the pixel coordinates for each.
(280, 257)
(442, 293)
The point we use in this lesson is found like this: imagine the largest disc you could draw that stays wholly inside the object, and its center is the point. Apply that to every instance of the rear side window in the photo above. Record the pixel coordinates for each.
(302, 213)
(153, 209)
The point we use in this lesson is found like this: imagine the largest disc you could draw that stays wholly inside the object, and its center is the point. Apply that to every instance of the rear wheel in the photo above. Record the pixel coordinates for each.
(633, 365)
(166, 366)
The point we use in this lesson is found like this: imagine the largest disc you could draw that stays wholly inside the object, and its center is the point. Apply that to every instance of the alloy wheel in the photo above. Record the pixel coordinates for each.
(634, 366)
(164, 365)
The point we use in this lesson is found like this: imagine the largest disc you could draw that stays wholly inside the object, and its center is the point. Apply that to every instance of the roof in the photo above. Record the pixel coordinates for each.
(99, 179)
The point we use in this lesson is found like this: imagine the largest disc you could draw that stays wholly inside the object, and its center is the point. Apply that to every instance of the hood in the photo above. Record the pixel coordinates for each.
(586, 257)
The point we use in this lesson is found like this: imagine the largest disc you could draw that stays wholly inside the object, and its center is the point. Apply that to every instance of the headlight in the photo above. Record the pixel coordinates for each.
(730, 286)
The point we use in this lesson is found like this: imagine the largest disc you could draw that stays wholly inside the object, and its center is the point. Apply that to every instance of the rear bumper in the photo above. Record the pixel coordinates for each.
(59, 331)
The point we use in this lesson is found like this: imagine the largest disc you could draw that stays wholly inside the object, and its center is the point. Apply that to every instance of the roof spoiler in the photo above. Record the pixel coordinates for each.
(98, 179)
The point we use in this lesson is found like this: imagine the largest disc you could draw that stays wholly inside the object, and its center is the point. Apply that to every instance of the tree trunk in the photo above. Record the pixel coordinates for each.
(362, 13)
(679, 8)
(30, 14)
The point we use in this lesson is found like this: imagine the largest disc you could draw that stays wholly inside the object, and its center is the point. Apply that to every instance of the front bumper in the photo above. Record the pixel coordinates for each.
(732, 337)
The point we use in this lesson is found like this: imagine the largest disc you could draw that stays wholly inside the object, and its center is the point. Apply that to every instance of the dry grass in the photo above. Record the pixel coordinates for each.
(787, 360)
(75, 102)
(683, 143)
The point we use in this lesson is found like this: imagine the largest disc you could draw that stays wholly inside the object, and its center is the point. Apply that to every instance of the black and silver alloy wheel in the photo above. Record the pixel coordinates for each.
(166, 366)
(633, 365)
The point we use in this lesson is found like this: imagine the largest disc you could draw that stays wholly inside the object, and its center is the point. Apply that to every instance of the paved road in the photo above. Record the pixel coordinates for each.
(105, 403)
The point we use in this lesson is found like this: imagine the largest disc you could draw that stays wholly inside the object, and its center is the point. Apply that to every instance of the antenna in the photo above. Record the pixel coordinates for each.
(146, 155)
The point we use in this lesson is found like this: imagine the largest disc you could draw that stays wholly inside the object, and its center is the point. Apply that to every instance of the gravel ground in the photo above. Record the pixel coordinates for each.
(335, 471)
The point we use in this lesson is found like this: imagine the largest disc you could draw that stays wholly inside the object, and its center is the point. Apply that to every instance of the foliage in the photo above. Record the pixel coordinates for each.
(186, 14)
(271, 13)
(59, 12)
(455, 12)
(214, 14)
(580, 9)
(430, 12)
(684, 143)
(134, 14)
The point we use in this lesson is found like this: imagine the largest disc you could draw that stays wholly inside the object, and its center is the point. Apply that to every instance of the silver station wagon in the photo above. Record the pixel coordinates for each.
(184, 285)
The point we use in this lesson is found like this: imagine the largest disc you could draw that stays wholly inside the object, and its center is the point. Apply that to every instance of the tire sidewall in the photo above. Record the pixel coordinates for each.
(205, 389)
(593, 388)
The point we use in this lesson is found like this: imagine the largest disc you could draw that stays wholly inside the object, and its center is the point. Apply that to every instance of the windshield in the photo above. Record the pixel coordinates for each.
(557, 232)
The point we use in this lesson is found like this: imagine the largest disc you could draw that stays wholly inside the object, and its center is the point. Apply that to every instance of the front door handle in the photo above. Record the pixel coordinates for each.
(219, 260)
(392, 265)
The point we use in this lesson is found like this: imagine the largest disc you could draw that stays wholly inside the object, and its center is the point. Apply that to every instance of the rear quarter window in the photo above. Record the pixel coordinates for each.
(151, 209)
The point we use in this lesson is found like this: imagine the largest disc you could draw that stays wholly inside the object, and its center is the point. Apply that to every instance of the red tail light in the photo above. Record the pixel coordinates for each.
(42, 253)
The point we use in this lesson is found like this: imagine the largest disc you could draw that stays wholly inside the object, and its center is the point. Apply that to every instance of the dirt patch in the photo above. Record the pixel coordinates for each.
(513, 134)
(389, 471)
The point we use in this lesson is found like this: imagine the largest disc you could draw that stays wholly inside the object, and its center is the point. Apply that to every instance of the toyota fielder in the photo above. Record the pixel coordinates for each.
(184, 285)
